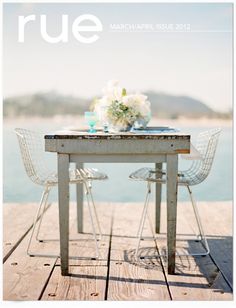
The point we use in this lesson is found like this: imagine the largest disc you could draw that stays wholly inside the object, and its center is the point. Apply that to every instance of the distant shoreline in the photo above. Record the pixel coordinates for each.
(71, 120)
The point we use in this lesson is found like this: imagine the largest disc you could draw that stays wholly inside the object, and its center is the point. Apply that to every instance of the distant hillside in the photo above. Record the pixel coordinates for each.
(52, 103)
(43, 104)
(164, 105)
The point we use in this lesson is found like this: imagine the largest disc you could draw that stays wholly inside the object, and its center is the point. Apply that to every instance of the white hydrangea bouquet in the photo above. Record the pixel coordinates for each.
(122, 110)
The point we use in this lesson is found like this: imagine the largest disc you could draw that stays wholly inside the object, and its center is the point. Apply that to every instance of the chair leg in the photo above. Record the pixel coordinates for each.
(42, 215)
(143, 218)
(140, 223)
(43, 199)
(43, 211)
(201, 231)
(197, 216)
(95, 211)
(92, 222)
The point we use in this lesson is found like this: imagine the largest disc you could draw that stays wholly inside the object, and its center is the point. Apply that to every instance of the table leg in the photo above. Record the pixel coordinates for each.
(158, 201)
(79, 198)
(172, 173)
(63, 200)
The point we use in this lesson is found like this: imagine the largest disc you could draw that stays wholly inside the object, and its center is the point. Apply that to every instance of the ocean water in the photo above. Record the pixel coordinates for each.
(17, 187)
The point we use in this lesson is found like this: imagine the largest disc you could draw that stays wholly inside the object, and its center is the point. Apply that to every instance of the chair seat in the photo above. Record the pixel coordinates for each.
(157, 176)
(77, 176)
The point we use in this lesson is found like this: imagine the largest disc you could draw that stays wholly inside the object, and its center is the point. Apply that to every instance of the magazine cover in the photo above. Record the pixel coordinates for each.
(117, 151)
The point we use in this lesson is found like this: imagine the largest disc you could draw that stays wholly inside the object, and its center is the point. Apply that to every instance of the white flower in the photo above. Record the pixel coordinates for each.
(139, 102)
(112, 90)
(118, 106)
(101, 106)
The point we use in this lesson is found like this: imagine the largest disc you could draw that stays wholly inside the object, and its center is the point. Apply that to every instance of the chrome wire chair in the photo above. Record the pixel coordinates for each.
(197, 172)
(32, 153)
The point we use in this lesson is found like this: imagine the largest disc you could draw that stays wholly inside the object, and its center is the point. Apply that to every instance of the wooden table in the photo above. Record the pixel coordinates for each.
(82, 147)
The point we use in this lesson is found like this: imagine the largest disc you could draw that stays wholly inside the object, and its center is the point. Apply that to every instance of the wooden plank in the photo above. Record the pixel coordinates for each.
(171, 174)
(88, 278)
(196, 277)
(16, 225)
(63, 200)
(24, 277)
(129, 279)
(191, 282)
(217, 219)
(83, 283)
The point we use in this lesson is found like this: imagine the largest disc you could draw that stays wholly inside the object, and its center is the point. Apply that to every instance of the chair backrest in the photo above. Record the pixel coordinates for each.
(206, 145)
(32, 153)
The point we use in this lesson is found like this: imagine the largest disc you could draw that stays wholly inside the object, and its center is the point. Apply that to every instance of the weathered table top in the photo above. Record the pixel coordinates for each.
(138, 142)
(136, 135)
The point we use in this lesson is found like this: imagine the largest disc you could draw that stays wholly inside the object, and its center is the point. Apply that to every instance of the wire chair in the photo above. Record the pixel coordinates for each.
(34, 160)
(197, 172)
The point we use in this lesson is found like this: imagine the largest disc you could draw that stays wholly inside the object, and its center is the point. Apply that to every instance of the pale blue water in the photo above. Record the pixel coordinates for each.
(18, 188)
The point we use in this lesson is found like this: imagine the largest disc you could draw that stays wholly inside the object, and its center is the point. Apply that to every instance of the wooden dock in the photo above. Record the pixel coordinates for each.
(118, 276)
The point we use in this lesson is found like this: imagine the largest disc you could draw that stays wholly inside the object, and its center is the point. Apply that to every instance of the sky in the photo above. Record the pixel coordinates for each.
(196, 62)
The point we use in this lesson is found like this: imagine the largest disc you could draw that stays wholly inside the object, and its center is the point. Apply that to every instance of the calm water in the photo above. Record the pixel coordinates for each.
(18, 188)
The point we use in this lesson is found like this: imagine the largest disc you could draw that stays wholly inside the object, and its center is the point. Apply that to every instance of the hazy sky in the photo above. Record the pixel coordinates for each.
(197, 63)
